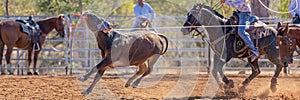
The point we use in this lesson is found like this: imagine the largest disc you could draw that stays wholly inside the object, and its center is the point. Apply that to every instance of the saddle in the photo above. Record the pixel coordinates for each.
(254, 27)
(31, 28)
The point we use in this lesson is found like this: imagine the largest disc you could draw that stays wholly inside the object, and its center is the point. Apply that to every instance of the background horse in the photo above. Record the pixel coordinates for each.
(223, 44)
(288, 38)
(119, 50)
(12, 36)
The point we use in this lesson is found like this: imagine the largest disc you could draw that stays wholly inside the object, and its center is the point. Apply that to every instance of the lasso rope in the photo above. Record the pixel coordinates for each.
(278, 11)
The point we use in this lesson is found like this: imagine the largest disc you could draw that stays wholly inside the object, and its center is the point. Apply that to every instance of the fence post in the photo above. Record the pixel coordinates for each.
(208, 60)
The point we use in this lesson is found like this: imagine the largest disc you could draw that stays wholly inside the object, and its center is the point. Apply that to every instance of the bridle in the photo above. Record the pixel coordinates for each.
(194, 26)
(212, 44)
(288, 40)
(59, 30)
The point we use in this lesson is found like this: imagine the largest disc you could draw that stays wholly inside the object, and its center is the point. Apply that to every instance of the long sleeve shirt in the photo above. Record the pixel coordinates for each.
(241, 5)
(293, 6)
(143, 12)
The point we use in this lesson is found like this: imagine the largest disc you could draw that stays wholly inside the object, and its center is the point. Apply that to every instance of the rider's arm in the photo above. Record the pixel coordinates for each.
(151, 11)
(292, 7)
(236, 4)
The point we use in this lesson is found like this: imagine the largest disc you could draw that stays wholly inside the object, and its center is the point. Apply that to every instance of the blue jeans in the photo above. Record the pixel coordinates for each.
(136, 25)
(243, 18)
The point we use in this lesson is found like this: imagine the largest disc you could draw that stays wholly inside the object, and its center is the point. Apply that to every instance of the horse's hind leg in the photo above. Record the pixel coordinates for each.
(142, 69)
(29, 56)
(7, 56)
(1, 57)
(152, 60)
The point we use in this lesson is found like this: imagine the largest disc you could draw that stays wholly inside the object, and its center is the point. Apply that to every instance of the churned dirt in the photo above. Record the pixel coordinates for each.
(112, 87)
(39, 87)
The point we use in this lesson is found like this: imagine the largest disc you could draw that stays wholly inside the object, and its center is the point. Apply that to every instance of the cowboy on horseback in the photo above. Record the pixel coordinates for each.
(295, 11)
(141, 12)
(244, 12)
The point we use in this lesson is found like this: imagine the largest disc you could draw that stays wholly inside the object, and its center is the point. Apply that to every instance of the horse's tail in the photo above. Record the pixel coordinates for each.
(165, 44)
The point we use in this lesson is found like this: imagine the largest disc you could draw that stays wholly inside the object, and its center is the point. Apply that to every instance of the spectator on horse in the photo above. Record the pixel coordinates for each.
(295, 11)
(244, 12)
(142, 11)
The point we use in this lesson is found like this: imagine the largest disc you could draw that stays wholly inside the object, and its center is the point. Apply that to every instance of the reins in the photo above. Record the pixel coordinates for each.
(279, 11)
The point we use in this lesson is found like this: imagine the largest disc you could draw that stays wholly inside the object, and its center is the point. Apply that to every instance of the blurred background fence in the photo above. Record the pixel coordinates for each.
(79, 51)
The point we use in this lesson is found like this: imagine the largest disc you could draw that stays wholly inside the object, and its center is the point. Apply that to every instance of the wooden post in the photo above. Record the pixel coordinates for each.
(6, 8)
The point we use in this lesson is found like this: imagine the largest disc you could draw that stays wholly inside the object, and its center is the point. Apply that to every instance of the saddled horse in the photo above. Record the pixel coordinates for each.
(224, 46)
(119, 50)
(12, 36)
(288, 38)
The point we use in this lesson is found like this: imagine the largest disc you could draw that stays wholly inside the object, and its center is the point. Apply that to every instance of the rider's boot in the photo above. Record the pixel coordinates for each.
(254, 55)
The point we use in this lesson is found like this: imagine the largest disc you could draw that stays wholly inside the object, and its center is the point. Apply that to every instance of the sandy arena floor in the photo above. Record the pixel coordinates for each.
(112, 87)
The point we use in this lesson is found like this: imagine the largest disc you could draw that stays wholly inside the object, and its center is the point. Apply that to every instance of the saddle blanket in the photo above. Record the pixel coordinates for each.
(26, 28)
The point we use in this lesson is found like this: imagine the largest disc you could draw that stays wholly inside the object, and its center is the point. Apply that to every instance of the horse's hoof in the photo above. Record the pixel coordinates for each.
(127, 85)
(242, 89)
(35, 73)
(3, 73)
(82, 79)
(85, 92)
(230, 84)
(134, 86)
(273, 88)
(29, 73)
(11, 73)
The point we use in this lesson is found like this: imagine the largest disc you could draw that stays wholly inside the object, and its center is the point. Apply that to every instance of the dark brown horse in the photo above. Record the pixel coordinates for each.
(12, 36)
(288, 38)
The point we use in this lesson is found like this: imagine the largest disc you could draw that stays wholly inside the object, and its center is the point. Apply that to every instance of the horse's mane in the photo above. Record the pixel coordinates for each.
(49, 18)
(195, 7)
(214, 11)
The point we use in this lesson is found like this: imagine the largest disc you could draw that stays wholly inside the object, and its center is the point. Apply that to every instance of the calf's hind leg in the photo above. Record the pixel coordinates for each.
(142, 69)
(152, 60)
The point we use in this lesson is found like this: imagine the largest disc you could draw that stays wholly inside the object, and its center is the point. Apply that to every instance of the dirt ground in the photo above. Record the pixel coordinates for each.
(112, 87)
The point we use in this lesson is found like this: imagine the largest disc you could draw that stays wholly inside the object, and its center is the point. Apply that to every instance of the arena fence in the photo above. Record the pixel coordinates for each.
(79, 52)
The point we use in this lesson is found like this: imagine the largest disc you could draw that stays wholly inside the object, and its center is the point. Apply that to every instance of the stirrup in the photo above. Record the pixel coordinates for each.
(36, 45)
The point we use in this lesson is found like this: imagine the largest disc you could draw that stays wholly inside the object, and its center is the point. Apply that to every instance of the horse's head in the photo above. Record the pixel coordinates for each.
(60, 25)
(286, 43)
(192, 22)
(92, 21)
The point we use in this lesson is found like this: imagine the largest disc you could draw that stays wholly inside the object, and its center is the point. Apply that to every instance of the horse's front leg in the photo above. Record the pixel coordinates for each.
(1, 56)
(7, 56)
(273, 56)
(35, 58)
(29, 57)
